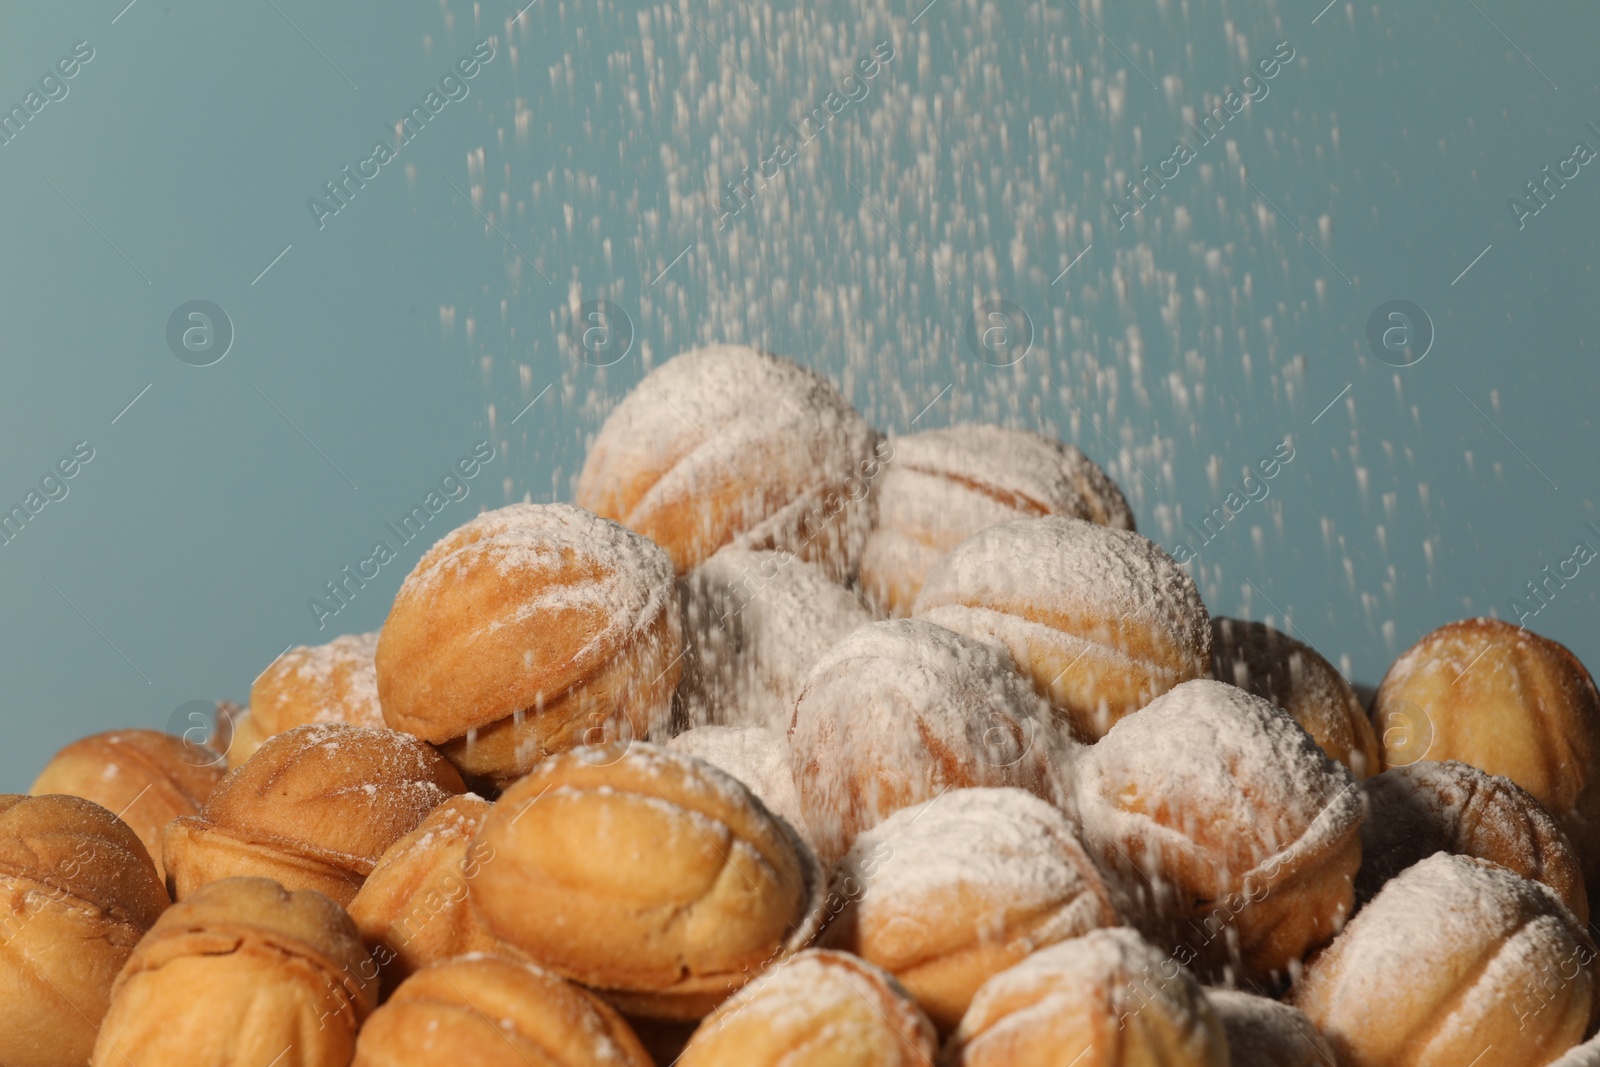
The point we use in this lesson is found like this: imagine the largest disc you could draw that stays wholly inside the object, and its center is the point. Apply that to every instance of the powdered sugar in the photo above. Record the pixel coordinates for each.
(585, 563)
(724, 420)
(1208, 757)
(1025, 474)
(755, 624)
(898, 712)
(1426, 807)
(1079, 577)
(1008, 855)
(755, 756)
(1423, 930)
(822, 988)
(338, 682)
(1115, 967)
(1296, 678)
(997, 840)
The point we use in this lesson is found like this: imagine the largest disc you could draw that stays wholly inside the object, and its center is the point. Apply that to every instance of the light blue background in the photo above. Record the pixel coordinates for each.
(978, 166)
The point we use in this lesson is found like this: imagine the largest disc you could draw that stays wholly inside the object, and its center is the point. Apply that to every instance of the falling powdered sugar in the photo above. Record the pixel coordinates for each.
(757, 757)
(755, 624)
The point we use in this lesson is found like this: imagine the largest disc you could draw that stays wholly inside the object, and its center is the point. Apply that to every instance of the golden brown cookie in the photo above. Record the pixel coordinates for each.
(495, 1011)
(942, 486)
(1293, 676)
(314, 808)
(1106, 999)
(648, 875)
(1508, 702)
(335, 682)
(242, 972)
(412, 909)
(818, 1009)
(1426, 807)
(727, 445)
(1234, 838)
(1102, 620)
(148, 778)
(900, 711)
(77, 892)
(1456, 961)
(948, 893)
(526, 632)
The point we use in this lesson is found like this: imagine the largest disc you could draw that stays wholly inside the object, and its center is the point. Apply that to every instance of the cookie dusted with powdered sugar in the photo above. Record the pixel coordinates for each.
(335, 682)
(530, 630)
(942, 486)
(647, 875)
(759, 758)
(819, 1009)
(489, 1009)
(1234, 838)
(1102, 620)
(1426, 807)
(726, 445)
(1456, 961)
(900, 711)
(314, 808)
(1107, 999)
(950, 892)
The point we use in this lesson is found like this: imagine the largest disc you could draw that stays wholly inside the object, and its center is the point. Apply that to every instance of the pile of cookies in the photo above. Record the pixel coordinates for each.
(793, 743)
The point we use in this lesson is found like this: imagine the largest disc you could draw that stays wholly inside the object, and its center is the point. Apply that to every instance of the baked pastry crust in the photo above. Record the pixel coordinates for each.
(1508, 702)
(1234, 838)
(412, 909)
(1456, 959)
(77, 892)
(528, 631)
(1295, 677)
(726, 445)
(1427, 807)
(942, 486)
(243, 971)
(1106, 999)
(1268, 1033)
(147, 777)
(494, 1010)
(313, 809)
(335, 682)
(818, 1009)
(948, 893)
(648, 875)
(900, 711)
(1102, 620)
